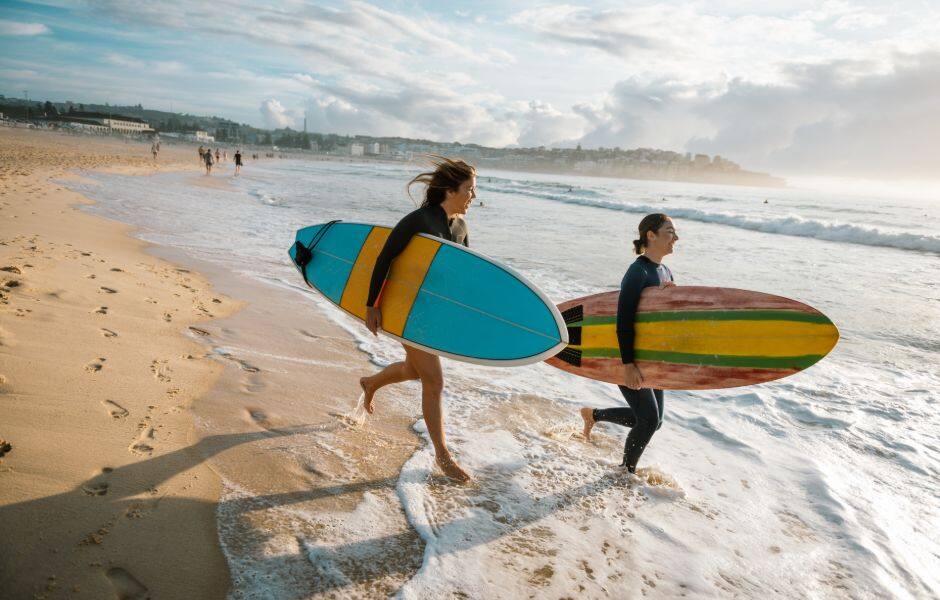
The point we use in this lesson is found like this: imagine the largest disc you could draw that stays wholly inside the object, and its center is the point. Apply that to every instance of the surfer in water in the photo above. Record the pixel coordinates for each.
(644, 413)
(450, 189)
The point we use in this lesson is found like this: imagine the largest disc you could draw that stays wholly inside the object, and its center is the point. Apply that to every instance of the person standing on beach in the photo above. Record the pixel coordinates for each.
(208, 159)
(154, 149)
(644, 413)
(238, 161)
(450, 189)
(218, 156)
(202, 154)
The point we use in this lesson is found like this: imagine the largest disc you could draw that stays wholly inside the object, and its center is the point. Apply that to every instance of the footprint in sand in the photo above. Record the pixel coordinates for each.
(117, 411)
(108, 333)
(11, 269)
(161, 370)
(144, 444)
(95, 489)
(117, 270)
(101, 310)
(11, 283)
(5, 447)
(95, 365)
(126, 586)
(108, 290)
(167, 317)
(259, 417)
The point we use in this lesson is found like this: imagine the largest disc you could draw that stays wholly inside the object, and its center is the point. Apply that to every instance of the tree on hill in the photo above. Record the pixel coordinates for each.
(49, 109)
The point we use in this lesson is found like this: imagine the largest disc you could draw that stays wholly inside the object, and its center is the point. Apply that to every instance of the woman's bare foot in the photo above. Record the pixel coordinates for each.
(368, 391)
(451, 468)
(588, 415)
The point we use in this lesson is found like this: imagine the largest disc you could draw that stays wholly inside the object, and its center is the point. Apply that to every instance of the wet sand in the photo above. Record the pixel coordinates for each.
(103, 492)
(146, 403)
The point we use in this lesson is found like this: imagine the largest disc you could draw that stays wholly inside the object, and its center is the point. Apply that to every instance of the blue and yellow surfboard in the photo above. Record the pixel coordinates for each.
(439, 296)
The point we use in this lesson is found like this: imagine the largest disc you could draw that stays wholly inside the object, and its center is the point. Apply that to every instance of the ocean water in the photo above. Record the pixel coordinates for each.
(823, 484)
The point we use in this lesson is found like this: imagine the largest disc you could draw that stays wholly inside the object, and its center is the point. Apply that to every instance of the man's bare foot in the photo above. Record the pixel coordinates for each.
(452, 469)
(368, 391)
(588, 415)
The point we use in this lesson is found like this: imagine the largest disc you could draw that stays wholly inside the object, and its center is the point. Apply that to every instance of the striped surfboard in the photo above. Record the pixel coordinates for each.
(697, 338)
(439, 296)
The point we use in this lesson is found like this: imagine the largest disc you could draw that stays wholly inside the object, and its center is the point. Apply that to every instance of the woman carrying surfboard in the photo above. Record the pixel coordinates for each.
(644, 415)
(450, 189)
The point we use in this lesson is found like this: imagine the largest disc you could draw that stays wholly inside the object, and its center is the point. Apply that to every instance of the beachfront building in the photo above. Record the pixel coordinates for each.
(105, 122)
(356, 150)
(86, 125)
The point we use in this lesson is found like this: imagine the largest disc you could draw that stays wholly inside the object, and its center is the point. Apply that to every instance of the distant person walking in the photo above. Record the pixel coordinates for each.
(202, 154)
(218, 156)
(225, 155)
(208, 158)
(154, 149)
(238, 162)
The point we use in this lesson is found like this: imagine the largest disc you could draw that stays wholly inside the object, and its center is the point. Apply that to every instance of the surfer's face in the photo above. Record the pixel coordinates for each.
(463, 197)
(662, 241)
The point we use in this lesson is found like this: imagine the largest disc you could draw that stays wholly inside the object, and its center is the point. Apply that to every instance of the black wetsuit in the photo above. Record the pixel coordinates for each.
(645, 412)
(238, 159)
(427, 219)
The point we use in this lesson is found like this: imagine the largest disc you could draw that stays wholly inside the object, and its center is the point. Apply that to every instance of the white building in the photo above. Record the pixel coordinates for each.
(107, 121)
(356, 150)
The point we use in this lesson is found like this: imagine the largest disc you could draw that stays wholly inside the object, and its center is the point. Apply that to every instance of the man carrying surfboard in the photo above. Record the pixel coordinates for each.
(644, 413)
(450, 189)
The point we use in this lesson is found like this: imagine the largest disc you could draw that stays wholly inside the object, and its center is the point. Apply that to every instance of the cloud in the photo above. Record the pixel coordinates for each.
(275, 116)
(846, 118)
(26, 29)
(610, 31)
(541, 124)
(123, 61)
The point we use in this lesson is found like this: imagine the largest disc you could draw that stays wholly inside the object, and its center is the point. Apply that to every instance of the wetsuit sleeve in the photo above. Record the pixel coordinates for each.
(397, 240)
(630, 289)
(466, 240)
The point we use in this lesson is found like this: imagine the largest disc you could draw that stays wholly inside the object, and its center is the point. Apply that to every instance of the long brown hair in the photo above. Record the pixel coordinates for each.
(649, 223)
(448, 174)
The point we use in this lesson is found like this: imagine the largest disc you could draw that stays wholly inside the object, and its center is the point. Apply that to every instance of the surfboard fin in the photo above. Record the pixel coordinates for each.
(302, 256)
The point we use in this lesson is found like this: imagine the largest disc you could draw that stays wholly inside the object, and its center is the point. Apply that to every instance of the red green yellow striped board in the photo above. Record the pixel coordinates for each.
(694, 338)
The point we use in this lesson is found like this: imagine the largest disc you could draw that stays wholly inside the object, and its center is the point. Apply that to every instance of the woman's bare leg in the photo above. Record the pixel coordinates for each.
(394, 373)
(588, 415)
(428, 367)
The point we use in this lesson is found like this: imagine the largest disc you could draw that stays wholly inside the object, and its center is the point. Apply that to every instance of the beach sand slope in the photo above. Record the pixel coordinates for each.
(103, 491)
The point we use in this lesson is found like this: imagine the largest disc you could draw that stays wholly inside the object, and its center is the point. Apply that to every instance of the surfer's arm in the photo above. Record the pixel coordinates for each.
(394, 245)
(630, 289)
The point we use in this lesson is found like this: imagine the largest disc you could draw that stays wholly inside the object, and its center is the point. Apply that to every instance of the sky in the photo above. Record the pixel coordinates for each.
(815, 88)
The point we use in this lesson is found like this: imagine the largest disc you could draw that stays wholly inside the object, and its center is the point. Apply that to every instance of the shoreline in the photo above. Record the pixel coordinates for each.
(170, 430)
(102, 492)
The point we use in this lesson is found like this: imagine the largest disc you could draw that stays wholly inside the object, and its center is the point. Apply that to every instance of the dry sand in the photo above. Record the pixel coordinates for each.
(101, 494)
(109, 354)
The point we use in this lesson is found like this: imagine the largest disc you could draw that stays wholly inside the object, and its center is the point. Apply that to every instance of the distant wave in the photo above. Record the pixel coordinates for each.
(546, 190)
(789, 225)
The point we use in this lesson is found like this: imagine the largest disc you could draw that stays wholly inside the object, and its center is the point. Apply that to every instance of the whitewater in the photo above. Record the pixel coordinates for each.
(823, 484)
